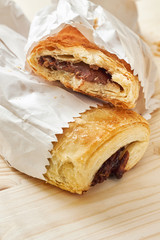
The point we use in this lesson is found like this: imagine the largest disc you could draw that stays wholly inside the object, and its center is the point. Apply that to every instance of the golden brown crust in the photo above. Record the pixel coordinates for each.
(90, 141)
(69, 41)
(71, 37)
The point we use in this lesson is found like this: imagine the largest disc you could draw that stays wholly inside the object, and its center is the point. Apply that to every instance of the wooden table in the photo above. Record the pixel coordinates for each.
(117, 209)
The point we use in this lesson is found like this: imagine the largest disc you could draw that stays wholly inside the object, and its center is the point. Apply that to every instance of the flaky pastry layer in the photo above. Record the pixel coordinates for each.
(69, 45)
(92, 139)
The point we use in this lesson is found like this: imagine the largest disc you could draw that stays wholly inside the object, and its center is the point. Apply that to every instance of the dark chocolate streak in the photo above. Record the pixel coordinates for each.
(113, 166)
(81, 70)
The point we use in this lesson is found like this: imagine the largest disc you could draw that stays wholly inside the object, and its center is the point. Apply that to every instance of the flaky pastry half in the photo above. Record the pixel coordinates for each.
(84, 67)
(104, 141)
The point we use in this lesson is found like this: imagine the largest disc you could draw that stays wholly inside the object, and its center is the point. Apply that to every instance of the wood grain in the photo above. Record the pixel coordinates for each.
(117, 209)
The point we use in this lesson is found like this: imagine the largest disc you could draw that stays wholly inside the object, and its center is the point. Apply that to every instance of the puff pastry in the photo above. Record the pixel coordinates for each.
(82, 66)
(104, 141)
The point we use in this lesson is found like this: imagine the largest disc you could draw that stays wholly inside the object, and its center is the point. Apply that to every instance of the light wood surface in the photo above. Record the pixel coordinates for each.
(117, 209)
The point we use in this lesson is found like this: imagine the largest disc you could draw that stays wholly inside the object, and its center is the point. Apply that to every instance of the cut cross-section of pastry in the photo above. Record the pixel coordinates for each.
(84, 67)
(102, 142)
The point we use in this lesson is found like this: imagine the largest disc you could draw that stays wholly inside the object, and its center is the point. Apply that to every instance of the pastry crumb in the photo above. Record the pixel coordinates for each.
(95, 23)
(19, 67)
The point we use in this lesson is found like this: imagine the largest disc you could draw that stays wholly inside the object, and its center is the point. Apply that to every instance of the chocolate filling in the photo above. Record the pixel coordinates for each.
(90, 73)
(113, 166)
